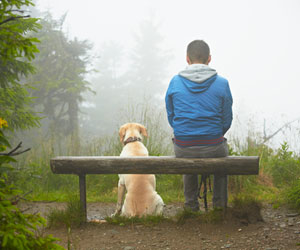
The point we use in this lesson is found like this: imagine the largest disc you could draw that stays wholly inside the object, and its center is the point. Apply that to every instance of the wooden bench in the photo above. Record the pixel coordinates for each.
(81, 166)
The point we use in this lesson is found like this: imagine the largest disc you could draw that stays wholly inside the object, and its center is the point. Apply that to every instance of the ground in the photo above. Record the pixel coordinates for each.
(269, 230)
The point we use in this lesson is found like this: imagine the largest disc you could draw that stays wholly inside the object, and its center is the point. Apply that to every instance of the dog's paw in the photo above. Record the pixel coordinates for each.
(116, 213)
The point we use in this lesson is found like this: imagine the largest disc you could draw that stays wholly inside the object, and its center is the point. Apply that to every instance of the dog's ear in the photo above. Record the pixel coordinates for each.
(143, 131)
(122, 133)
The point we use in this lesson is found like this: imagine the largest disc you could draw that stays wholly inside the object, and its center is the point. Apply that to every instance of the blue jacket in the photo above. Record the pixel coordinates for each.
(199, 110)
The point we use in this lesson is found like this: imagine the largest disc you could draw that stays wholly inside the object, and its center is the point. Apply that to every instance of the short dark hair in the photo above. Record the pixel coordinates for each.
(198, 51)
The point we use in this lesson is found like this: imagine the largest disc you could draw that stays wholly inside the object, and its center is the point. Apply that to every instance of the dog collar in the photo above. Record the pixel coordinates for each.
(132, 139)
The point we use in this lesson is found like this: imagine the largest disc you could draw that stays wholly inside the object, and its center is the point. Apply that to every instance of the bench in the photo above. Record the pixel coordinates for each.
(82, 165)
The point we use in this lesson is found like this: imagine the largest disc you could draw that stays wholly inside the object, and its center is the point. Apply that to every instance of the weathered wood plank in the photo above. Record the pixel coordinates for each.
(232, 165)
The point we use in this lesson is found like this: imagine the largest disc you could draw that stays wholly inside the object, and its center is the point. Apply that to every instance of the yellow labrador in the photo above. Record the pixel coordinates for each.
(141, 198)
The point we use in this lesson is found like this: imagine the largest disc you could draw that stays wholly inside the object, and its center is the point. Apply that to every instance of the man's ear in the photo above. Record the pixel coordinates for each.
(188, 60)
(143, 131)
(122, 133)
(209, 59)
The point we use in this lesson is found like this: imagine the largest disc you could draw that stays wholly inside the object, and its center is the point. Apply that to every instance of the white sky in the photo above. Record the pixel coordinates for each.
(254, 44)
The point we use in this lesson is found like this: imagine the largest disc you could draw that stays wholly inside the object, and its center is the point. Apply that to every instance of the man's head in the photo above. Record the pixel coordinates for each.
(198, 52)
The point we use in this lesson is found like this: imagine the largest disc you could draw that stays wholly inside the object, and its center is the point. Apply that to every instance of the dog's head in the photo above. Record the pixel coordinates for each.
(132, 130)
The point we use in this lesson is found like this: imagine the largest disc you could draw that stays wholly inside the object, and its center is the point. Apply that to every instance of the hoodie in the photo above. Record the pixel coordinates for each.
(199, 106)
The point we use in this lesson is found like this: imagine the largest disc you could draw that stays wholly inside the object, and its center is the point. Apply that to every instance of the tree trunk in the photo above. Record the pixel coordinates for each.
(73, 126)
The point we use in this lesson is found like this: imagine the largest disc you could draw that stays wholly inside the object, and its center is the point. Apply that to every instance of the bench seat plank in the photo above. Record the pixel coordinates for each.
(81, 165)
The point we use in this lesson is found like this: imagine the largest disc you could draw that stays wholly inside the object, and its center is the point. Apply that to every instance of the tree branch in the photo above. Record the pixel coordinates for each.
(16, 10)
(14, 152)
(267, 138)
(17, 198)
(13, 18)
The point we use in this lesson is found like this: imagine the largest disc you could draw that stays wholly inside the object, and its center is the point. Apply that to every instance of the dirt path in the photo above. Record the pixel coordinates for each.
(280, 229)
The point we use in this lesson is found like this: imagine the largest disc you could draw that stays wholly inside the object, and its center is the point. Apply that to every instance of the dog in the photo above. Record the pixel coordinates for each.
(141, 198)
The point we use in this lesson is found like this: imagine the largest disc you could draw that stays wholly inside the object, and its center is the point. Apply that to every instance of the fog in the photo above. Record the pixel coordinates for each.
(254, 44)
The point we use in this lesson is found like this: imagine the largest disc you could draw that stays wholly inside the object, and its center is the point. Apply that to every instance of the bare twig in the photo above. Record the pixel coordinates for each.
(52, 201)
(267, 138)
(24, 210)
(14, 151)
(16, 10)
(20, 152)
(17, 198)
(16, 148)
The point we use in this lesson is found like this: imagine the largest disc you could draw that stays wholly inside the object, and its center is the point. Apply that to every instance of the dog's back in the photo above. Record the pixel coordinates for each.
(141, 198)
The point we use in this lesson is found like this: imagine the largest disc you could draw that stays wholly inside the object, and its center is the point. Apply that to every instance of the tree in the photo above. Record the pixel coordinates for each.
(17, 230)
(148, 61)
(60, 76)
(122, 87)
(103, 108)
(17, 50)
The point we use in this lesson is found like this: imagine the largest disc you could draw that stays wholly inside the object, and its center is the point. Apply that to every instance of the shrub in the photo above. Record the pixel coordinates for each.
(17, 230)
(284, 167)
(293, 195)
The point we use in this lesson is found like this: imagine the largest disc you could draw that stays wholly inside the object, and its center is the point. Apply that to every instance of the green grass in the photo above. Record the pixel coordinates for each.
(245, 206)
(254, 186)
(70, 217)
(212, 216)
(148, 220)
(293, 195)
(103, 188)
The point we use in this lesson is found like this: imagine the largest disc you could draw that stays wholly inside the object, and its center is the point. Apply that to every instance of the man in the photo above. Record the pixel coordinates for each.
(199, 108)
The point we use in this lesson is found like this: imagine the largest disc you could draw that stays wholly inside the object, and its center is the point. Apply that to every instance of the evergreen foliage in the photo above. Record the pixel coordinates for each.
(123, 87)
(17, 50)
(285, 167)
(149, 61)
(17, 230)
(59, 80)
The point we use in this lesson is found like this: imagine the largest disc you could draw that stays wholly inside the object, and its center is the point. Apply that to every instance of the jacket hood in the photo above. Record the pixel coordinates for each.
(198, 77)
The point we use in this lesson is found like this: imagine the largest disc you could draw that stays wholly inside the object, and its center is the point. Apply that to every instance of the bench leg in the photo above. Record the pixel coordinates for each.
(220, 194)
(82, 192)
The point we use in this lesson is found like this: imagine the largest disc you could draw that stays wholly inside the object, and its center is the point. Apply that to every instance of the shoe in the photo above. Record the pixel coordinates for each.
(193, 209)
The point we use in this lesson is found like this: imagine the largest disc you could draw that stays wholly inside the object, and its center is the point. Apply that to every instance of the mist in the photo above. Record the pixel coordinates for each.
(138, 46)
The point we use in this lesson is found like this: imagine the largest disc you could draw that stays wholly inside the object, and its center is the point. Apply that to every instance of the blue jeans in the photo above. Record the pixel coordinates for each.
(190, 181)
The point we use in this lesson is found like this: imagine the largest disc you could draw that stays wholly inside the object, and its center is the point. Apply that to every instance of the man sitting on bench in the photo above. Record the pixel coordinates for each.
(199, 108)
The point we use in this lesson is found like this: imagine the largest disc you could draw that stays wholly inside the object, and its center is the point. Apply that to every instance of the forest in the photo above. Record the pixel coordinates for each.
(58, 98)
